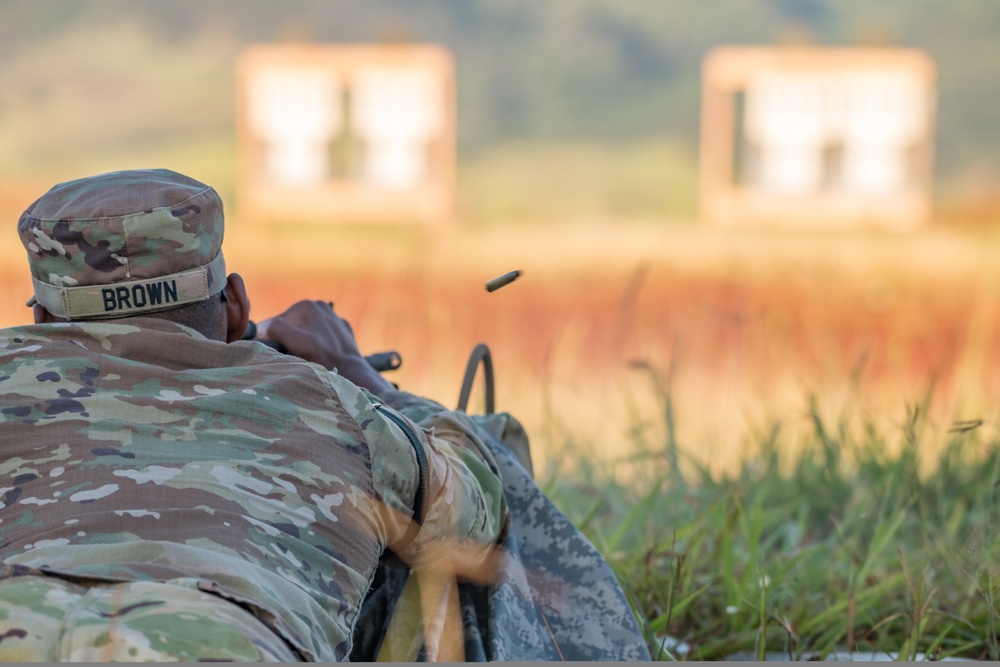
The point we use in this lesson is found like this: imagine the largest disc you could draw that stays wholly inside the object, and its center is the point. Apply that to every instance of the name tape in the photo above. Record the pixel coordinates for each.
(163, 292)
(133, 297)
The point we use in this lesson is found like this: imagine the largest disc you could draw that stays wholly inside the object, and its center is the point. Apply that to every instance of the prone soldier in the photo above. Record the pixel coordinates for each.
(170, 492)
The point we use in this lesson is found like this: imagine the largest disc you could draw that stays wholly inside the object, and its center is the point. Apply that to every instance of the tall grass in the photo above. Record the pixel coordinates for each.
(842, 546)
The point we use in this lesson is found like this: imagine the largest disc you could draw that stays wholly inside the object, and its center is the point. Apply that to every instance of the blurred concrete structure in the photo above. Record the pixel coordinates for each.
(817, 137)
(350, 133)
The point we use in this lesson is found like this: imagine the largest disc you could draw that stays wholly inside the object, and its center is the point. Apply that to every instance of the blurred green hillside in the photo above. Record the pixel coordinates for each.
(548, 92)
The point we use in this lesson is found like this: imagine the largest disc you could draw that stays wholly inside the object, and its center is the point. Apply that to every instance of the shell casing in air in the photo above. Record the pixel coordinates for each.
(505, 279)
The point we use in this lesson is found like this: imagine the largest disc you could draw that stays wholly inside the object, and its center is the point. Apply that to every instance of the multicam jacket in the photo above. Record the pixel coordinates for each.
(141, 450)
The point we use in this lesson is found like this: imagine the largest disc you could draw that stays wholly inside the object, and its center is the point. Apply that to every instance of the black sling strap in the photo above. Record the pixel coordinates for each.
(420, 499)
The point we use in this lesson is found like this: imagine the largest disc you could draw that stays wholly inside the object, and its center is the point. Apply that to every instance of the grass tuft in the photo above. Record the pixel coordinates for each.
(852, 545)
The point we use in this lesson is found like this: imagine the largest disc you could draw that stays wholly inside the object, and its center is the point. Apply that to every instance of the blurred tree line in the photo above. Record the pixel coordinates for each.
(559, 71)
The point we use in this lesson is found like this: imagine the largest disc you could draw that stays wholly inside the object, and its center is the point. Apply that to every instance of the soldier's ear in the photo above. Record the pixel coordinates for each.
(237, 308)
(42, 316)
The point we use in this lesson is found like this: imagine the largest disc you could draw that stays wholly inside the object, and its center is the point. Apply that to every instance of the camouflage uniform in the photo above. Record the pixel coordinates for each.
(139, 451)
(168, 497)
(51, 619)
(144, 451)
(555, 597)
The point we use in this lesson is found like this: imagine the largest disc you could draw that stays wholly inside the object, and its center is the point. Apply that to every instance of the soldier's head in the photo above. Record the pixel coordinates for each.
(145, 242)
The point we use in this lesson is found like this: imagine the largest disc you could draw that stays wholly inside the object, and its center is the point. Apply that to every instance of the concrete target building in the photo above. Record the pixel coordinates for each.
(346, 133)
(817, 137)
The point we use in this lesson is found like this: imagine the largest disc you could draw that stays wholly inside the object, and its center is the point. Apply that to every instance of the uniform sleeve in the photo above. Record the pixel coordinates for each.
(456, 486)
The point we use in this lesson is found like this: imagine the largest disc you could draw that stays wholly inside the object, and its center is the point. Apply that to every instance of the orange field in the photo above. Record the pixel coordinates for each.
(741, 327)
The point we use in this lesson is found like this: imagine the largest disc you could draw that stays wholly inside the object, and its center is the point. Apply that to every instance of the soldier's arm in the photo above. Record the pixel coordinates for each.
(441, 493)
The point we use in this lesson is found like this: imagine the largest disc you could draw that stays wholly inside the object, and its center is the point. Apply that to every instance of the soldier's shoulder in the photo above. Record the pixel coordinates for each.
(27, 334)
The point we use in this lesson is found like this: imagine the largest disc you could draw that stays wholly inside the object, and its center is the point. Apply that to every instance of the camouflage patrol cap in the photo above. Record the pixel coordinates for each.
(124, 243)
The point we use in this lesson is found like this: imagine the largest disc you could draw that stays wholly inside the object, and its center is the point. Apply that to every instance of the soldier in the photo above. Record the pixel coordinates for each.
(170, 492)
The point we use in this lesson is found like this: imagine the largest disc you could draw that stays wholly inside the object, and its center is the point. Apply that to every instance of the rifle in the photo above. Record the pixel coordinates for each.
(380, 361)
(391, 360)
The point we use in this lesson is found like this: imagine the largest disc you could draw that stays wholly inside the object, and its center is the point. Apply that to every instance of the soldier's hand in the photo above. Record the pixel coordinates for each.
(313, 331)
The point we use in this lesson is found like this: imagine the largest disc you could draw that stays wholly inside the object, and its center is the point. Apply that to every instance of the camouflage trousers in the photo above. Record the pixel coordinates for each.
(45, 619)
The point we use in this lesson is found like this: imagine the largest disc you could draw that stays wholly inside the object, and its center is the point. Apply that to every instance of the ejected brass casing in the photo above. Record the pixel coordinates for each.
(505, 279)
